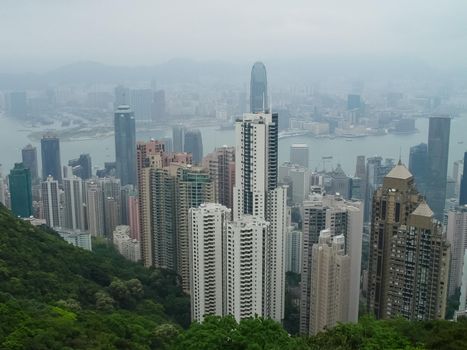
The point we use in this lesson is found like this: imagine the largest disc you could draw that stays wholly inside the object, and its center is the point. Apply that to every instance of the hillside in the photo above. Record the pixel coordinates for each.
(55, 296)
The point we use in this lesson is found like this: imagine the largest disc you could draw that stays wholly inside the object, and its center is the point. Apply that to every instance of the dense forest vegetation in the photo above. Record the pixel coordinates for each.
(56, 296)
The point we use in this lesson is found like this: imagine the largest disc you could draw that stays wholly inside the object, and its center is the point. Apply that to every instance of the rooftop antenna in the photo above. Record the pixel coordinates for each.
(400, 156)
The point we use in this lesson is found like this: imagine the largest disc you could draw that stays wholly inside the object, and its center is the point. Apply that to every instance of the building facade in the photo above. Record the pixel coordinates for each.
(409, 258)
(208, 232)
(51, 202)
(125, 145)
(50, 154)
(20, 191)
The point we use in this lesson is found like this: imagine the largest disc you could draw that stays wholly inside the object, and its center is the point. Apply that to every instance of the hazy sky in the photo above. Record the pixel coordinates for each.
(39, 34)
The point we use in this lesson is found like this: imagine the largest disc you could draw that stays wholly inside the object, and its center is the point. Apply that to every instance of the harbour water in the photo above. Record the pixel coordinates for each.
(14, 136)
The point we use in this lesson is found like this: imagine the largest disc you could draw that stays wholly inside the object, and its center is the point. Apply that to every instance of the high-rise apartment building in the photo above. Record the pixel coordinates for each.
(50, 153)
(168, 187)
(221, 167)
(438, 154)
(245, 278)
(20, 191)
(340, 217)
(300, 154)
(256, 166)
(51, 202)
(409, 258)
(95, 208)
(293, 251)
(456, 235)
(74, 204)
(194, 144)
(330, 282)
(258, 89)
(125, 145)
(111, 215)
(256, 193)
(208, 232)
(29, 156)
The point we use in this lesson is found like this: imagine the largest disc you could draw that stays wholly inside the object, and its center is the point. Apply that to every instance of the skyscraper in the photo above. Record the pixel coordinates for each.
(20, 191)
(300, 154)
(221, 167)
(330, 282)
(95, 208)
(456, 235)
(50, 153)
(245, 258)
(341, 217)
(438, 153)
(293, 255)
(463, 187)
(194, 144)
(29, 156)
(125, 145)
(74, 203)
(178, 138)
(256, 193)
(168, 187)
(82, 166)
(409, 258)
(256, 166)
(208, 230)
(360, 170)
(258, 89)
(418, 166)
(375, 172)
(51, 202)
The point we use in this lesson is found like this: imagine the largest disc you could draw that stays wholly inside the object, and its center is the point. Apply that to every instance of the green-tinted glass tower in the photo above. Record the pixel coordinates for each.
(20, 191)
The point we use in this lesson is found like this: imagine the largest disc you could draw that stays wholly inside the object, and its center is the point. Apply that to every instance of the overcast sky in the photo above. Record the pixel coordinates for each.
(42, 34)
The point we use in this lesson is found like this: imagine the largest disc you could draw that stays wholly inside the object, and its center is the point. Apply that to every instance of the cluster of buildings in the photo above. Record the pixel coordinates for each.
(232, 223)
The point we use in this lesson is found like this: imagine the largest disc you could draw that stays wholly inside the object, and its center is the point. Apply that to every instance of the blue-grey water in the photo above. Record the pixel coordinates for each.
(13, 137)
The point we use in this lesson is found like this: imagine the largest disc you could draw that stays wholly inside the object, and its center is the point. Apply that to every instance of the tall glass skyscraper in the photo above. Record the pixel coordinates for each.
(258, 89)
(194, 144)
(20, 191)
(125, 145)
(438, 153)
(29, 155)
(418, 166)
(50, 152)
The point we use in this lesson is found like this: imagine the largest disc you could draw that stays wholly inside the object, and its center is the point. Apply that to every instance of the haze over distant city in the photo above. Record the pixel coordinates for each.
(42, 35)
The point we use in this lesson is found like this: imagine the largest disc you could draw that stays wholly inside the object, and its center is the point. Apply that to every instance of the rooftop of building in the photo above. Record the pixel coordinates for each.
(423, 210)
(400, 171)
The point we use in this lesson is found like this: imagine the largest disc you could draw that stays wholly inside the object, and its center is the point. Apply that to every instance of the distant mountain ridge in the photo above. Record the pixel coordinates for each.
(180, 71)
